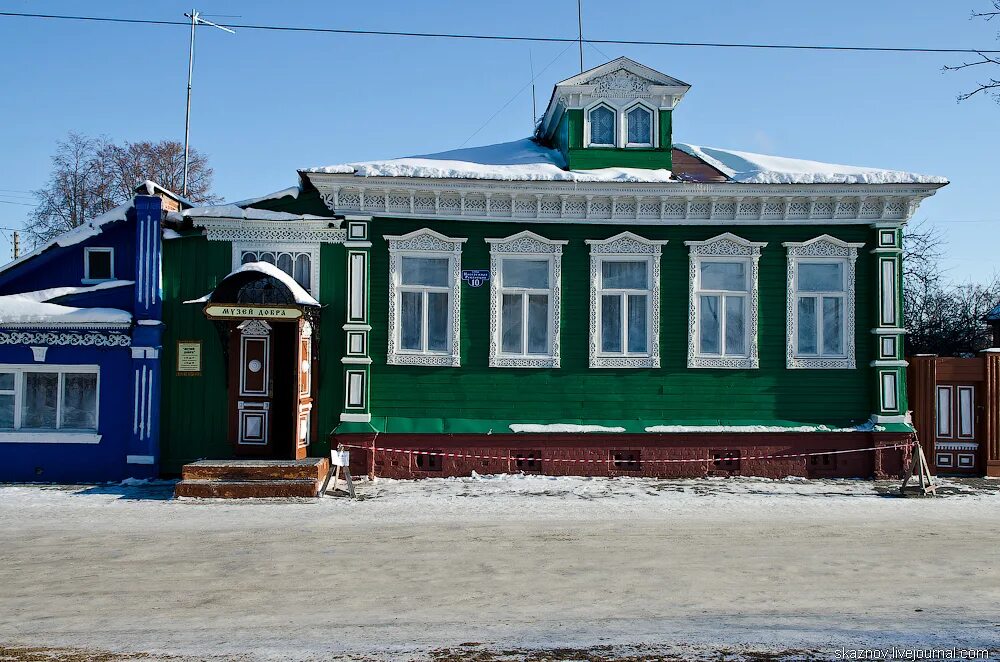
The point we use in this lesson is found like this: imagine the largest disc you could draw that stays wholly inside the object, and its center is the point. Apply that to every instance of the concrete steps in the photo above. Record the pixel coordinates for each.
(252, 479)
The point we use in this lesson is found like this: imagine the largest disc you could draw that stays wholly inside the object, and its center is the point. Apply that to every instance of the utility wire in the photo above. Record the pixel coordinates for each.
(489, 37)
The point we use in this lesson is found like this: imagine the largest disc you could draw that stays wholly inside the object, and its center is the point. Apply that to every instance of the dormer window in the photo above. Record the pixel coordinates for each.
(602, 127)
(639, 127)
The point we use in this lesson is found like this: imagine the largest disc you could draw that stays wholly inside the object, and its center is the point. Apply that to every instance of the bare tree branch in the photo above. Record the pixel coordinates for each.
(992, 86)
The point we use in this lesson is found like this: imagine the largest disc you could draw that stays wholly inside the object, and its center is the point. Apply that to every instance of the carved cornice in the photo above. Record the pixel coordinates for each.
(305, 231)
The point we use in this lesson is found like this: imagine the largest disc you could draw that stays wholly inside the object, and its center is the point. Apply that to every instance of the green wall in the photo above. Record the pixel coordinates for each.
(580, 158)
(478, 398)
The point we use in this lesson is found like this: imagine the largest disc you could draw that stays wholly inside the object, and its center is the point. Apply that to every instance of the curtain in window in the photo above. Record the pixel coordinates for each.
(79, 404)
(637, 323)
(411, 317)
(6, 400)
(611, 323)
(602, 126)
(302, 271)
(538, 324)
(807, 325)
(39, 402)
(710, 325)
(833, 325)
(511, 316)
(437, 321)
(640, 126)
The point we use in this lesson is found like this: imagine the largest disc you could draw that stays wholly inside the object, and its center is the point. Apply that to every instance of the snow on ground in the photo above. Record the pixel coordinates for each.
(527, 563)
(749, 168)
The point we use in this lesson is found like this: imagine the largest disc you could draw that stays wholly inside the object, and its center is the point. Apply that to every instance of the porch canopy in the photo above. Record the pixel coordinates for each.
(257, 289)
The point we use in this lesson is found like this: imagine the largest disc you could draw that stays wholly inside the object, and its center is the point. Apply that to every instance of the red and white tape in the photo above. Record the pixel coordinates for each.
(625, 460)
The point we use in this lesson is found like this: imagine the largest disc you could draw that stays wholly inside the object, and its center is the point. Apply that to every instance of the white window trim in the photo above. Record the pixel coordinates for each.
(821, 249)
(311, 249)
(425, 243)
(628, 246)
(86, 263)
(654, 126)
(18, 392)
(615, 132)
(526, 245)
(726, 247)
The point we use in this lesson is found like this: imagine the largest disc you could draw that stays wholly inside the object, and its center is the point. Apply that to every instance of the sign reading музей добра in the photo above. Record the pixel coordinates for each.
(228, 311)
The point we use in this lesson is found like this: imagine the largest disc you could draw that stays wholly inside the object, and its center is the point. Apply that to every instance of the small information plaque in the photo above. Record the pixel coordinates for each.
(189, 358)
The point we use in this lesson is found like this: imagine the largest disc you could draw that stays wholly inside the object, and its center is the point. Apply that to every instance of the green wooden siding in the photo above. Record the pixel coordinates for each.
(580, 158)
(673, 394)
(195, 409)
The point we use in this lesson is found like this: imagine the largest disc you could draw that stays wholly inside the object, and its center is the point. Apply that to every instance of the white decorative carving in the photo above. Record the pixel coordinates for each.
(525, 244)
(621, 84)
(424, 243)
(256, 328)
(65, 338)
(823, 246)
(630, 245)
(305, 231)
(725, 245)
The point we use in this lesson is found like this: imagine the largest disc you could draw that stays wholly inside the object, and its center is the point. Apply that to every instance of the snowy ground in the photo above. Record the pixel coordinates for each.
(510, 568)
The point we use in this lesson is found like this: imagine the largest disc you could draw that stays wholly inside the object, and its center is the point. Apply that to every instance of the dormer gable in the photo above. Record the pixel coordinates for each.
(614, 115)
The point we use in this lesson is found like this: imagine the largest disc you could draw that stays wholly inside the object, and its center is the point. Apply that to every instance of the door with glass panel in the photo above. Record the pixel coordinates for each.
(525, 314)
(956, 443)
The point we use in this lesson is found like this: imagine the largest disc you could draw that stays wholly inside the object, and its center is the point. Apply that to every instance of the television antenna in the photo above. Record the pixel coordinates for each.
(196, 20)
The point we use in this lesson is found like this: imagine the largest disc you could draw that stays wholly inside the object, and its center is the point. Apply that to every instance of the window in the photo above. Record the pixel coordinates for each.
(424, 299)
(624, 302)
(821, 303)
(297, 264)
(36, 398)
(602, 126)
(525, 299)
(639, 127)
(98, 264)
(723, 302)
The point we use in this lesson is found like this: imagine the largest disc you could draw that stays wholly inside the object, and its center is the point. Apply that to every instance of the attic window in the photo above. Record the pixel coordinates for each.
(639, 123)
(98, 264)
(602, 127)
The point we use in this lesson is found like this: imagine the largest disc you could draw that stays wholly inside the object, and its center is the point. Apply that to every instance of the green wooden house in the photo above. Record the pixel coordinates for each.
(595, 299)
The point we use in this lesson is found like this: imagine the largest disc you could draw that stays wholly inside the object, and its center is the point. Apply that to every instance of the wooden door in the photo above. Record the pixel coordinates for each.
(956, 443)
(303, 390)
(251, 404)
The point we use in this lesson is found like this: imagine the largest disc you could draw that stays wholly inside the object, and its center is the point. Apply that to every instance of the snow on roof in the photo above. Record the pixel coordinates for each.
(301, 297)
(32, 309)
(250, 214)
(149, 187)
(277, 195)
(89, 229)
(749, 168)
(520, 160)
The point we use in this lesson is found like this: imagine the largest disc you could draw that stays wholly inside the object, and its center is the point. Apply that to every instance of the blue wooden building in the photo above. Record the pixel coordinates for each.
(80, 330)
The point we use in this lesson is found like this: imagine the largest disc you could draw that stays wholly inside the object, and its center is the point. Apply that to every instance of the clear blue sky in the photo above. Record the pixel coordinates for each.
(266, 103)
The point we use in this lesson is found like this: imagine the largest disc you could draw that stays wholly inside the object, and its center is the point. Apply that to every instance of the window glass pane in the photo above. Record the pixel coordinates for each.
(833, 325)
(602, 126)
(7, 411)
(637, 323)
(965, 416)
(303, 271)
(39, 407)
(79, 404)
(99, 264)
(639, 125)
(432, 271)
(735, 326)
(709, 325)
(531, 274)
(944, 411)
(6, 381)
(624, 275)
(807, 325)
(285, 263)
(437, 321)
(611, 323)
(266, 257)
(538, 324)
(818, 277)
(511, 319)
(248, 256)
(723, 276)
(411, 317)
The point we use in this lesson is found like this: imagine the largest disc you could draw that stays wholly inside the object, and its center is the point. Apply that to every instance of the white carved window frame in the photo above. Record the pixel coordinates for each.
(823, 249)
(311, 249)
(726, 247)
(526, 245)
(654, 126)
(625, 246)
(615, 131)
(425, 243)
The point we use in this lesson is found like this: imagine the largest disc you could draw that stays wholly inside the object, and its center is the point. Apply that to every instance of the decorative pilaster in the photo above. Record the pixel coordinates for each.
(143, 453)
(888, 364)
(357, 359)
(991, 418)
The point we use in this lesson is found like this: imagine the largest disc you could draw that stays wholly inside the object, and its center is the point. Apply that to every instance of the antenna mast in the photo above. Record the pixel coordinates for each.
(195, 20)
(534, 106)
(579, 22)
